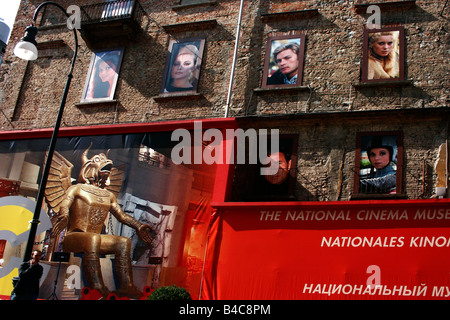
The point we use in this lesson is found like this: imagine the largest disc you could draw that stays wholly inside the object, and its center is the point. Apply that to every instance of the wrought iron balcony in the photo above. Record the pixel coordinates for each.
(105, 21)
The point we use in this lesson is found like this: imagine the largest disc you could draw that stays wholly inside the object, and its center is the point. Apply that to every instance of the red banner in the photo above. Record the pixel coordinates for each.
(332, 250)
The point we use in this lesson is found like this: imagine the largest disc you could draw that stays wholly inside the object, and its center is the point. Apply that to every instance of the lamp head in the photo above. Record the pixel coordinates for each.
(26, 48)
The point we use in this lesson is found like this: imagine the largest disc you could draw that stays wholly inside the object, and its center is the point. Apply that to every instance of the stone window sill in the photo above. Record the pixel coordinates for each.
(289, 15)
(196, 25)
(177, 96)
(361, 8)
(86, 104)
(275, 90)
(366, 196)
(396, 83)
(199, 4)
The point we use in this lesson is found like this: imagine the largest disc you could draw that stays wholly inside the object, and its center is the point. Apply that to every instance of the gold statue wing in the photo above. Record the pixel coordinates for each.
(59, 180)
(116, 179)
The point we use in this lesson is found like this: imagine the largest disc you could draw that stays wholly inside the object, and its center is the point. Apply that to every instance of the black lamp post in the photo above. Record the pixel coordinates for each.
(26, 49)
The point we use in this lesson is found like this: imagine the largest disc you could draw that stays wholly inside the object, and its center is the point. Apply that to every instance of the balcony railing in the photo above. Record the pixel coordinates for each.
(111, 11)
(119, 20)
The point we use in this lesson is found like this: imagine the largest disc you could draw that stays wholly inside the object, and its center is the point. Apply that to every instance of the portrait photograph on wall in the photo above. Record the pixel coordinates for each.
(250, 185)
(183, 64)
(383, 55)
(102, 76)
(283, 65)
(378, 163)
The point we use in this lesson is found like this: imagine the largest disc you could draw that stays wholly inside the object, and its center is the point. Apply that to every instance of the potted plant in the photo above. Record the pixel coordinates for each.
(170, 293)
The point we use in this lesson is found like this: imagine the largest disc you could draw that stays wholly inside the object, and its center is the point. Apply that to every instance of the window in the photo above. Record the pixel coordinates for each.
(102, 76)
(117, 8)
(194, 2)
(149, 186)
(153, 157)
(183, 64)
(250, 184)
(378, 163)
(283, 64)
(383, 55)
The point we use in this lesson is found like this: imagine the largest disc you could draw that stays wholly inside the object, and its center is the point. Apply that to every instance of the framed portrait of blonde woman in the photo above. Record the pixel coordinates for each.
(182, 71)
(383, 55)
(101, 80)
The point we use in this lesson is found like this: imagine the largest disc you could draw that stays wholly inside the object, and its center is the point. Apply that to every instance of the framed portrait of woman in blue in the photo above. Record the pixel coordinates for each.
(182, 71)
(383, 55)
(102, 76)
(378, 163)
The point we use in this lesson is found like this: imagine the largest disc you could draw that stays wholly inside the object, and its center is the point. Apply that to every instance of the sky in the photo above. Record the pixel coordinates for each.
(8, 11)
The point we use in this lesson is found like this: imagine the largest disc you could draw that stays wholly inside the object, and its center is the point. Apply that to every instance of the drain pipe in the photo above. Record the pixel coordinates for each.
(236, 44)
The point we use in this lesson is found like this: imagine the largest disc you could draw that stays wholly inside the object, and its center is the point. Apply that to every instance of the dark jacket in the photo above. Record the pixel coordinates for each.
(276, 78)
(29, 277)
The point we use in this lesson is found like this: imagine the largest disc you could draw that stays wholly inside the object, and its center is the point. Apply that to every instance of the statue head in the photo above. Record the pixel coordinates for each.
(95, 170)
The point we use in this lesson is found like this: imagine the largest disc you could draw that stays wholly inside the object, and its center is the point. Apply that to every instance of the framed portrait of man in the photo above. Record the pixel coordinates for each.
(383, 55)
(182, 71)
(102, 76)
(378, 163)
(252, 184)
(283, 65)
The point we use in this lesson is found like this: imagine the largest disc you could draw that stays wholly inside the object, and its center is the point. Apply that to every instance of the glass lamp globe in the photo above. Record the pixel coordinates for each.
(26, 48)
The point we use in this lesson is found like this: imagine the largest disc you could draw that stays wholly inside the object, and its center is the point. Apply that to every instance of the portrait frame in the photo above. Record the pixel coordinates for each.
(167, 86)
(250, 185)
(369, 183)
(371, 70)
(95, 89)
(270, 65)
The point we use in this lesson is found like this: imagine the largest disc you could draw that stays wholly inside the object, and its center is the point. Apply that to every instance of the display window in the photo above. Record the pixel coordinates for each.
(172, 198)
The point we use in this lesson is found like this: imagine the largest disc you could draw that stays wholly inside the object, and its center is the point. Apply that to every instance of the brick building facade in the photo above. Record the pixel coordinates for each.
(331, 78)
(326, 114)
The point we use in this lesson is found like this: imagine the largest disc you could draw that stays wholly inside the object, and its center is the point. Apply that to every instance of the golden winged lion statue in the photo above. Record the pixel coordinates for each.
(82, 209)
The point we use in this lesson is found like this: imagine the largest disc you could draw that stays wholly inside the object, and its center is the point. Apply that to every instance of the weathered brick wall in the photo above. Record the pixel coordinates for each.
(30, 93)
(332, 64)
(333, 58)
(326, 151)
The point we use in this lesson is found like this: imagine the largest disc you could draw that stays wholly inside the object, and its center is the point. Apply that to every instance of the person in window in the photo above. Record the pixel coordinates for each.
(104, 76)
(275, 187)
(30, 273)
(182, 72)
(382, 175)
(286, 57)
(383, 57)
(284, 166)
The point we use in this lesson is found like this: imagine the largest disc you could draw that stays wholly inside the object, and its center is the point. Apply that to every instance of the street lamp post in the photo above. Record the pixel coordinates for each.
(26, 49)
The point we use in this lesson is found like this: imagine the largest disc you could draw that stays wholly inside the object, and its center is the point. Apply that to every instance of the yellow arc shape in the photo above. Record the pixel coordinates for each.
(15, 219)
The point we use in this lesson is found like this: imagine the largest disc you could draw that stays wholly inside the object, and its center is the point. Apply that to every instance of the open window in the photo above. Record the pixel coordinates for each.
(378, 164)
(251, 184)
